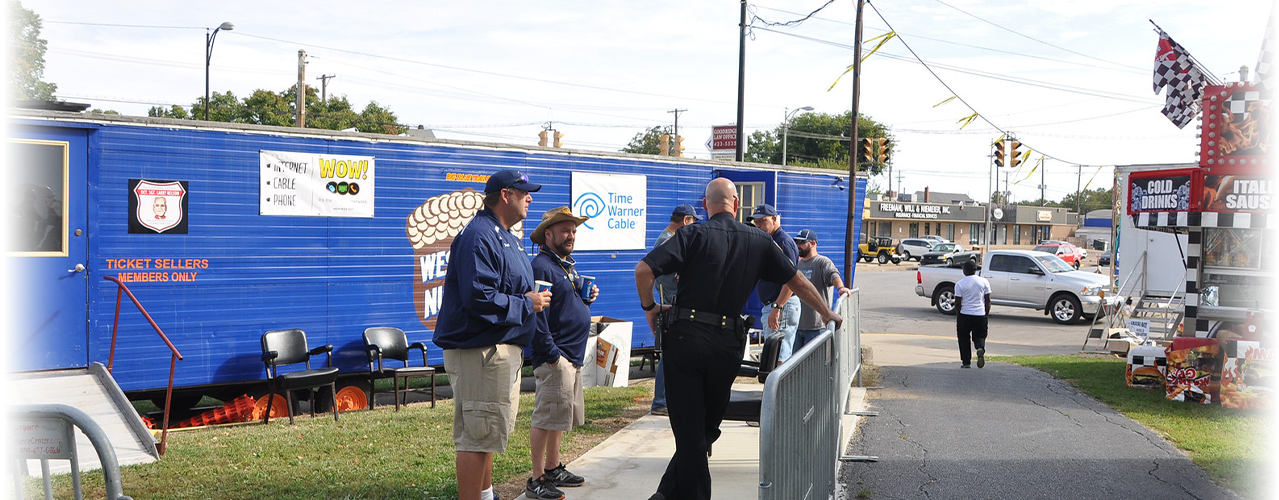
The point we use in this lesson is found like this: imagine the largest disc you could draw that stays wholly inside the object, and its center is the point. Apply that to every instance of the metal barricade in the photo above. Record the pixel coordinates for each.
(47, 432)
(799, 435)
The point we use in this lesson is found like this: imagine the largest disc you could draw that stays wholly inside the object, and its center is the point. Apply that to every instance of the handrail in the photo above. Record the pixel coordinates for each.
(173, 360)
(30, 416)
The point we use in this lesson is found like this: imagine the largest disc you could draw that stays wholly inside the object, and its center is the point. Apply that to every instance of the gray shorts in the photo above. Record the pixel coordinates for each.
(486, 395)
(560, 403)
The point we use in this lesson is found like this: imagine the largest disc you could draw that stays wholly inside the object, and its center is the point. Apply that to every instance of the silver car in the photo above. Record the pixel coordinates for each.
(914, 248)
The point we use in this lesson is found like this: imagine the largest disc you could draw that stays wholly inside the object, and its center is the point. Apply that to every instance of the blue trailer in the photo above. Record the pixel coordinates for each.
(212, 228)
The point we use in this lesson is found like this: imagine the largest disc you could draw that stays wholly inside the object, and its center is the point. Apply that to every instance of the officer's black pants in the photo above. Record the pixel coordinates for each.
(701, 362)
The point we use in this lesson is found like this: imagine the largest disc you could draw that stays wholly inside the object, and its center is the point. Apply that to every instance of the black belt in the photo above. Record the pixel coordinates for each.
(708, 318)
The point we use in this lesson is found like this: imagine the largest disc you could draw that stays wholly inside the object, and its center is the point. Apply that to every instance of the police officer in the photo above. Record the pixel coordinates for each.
(719, 262)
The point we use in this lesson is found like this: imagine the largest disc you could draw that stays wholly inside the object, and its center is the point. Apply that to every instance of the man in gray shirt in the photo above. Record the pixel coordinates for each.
(821, 272)
(667, 284)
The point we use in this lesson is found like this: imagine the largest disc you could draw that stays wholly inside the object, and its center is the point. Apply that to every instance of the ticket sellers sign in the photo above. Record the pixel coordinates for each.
(617, 205)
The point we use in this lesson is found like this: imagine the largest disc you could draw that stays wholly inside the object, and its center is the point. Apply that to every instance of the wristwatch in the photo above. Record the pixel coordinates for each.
(777, 305)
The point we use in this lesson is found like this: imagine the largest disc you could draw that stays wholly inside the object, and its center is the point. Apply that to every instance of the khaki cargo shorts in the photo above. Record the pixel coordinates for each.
(486, 395)
(559, 404)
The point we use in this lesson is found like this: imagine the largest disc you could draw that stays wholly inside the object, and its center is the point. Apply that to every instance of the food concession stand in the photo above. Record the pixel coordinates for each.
(1224, 207)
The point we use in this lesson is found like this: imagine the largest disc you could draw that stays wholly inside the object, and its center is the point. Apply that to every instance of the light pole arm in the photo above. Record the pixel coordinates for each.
(209, 38)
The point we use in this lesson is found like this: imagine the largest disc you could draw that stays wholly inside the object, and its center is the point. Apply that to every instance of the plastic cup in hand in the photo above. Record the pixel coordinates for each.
(542, 286)
(588, 283)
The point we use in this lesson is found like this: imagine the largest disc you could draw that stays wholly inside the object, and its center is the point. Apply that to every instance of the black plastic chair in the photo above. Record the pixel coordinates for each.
(384, 342)
(745, 406)
(288, 347)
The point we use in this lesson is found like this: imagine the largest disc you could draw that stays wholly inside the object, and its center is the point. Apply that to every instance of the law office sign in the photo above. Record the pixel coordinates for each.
(617, 205)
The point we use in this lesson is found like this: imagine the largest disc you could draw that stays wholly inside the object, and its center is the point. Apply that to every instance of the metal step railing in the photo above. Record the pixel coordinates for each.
(47, 432)
(121, 289)
(1164, 313)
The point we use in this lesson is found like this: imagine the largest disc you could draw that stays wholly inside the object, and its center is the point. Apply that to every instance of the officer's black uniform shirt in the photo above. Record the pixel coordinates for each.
(719, 262)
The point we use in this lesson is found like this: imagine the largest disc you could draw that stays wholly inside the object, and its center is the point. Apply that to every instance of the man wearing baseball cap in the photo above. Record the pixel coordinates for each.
(683, 215)
(486, 320)
(823, 274)
(781, 306)
(559, 348)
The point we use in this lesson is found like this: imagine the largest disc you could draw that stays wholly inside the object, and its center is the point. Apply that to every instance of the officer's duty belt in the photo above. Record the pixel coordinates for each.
(707, 318)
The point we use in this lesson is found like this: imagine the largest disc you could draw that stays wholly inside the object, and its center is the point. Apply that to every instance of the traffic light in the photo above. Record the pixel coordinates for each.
(867, 152)
(999, 153)
(541, 138)
(559, 139)
(1013, 153)
(679, 146)
(664, 145)
(882, 156)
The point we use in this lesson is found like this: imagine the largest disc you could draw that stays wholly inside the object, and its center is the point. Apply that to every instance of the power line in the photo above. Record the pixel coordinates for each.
(983, 74)
(112, 25)
(1031, 37)
(979, 47)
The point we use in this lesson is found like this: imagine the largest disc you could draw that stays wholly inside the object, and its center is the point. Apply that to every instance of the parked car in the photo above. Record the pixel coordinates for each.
(1023, 278)
(935, 239)
(950, 254)
(1065, 250)
(1103, 259)
(878, 248)
(914, 248)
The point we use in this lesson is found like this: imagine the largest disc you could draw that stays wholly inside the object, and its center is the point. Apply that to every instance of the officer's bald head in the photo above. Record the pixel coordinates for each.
(721, 196)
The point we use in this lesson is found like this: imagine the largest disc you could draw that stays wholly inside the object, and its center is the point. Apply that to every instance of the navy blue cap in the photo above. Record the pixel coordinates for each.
(687, 211)
(764, 210)
(509, 179)
(805, 235)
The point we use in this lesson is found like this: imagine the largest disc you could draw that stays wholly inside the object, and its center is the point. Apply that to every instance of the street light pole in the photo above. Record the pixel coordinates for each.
(209, 37)
(786, 116)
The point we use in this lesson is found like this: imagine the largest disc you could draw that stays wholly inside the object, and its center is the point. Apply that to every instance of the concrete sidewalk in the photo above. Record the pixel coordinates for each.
(629, 464)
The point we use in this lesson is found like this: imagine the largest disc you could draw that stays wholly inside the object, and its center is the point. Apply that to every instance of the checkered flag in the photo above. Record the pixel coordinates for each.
(1265, 81)
(1185, 82)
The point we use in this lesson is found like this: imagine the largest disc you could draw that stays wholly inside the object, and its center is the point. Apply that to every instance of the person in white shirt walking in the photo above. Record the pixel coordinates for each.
(972, 306)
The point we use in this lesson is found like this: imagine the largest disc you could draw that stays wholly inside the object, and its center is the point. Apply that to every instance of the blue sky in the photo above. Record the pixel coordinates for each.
(1071, 79)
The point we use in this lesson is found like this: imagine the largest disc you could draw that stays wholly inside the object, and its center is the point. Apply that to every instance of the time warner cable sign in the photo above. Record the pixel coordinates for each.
(617, 206)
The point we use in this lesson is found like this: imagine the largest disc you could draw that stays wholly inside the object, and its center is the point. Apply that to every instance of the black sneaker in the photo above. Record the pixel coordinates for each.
(965, 366)
(542, 488)
(562, 477)
(981, 358)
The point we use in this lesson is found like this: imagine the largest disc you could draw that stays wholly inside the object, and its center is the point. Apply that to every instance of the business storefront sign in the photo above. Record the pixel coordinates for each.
(914, 211)
(617, 206)
(1160, 191)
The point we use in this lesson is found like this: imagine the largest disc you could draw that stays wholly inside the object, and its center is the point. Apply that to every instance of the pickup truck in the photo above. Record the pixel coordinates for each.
(1023, 278)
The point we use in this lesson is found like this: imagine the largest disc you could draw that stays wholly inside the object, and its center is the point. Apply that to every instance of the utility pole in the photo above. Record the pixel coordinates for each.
(741, 91)
(1078, 190)
(324, 87)
(301, 113)
(850, 236)
(1042, 185)
(677, 112)
(899, 182)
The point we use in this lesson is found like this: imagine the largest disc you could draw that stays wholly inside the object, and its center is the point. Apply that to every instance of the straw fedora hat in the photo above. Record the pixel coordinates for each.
(552, 217)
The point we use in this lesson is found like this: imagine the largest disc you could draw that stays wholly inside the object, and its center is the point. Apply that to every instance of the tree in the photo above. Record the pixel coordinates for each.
(646, 142)
(1088, 200)
(264, 107)
(26, 59)
(817, 140)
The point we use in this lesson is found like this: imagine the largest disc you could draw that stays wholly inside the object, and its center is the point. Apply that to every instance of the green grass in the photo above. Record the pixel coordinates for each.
(380, 454)
(1230, 444)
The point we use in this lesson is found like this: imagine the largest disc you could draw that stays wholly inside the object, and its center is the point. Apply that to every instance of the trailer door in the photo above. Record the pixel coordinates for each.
(48, 249)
